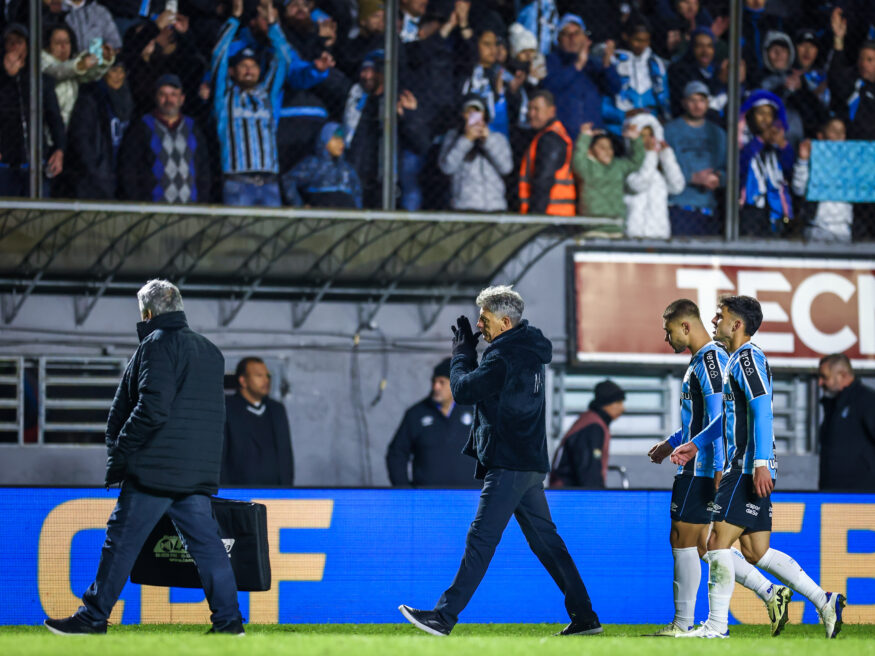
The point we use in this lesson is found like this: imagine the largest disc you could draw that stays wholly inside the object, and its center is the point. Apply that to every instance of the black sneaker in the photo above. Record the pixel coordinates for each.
(425, 620)
(74, 625)
(235, 628)
(581, 628)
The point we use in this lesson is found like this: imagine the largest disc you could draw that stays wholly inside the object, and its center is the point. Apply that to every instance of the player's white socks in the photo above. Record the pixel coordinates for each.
(721, 582)
(751, 578)
(687, 573)
(788, 572)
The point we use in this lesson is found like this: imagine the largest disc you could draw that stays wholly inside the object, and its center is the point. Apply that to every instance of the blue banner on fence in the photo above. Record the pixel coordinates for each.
(355, 555)
(842, 171)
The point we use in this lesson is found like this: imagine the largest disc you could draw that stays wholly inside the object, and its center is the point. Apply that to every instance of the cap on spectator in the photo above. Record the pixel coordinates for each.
(15, 28)
(806, 35)
(521, 39)
(607, 392)
(703, 29)
(245, 53)
(330, 130)
(374, 59)
(762, 97)
(473, 100)
(570, 19)
(694, 87)
(168, 80)
(368, 8)
(442, 369)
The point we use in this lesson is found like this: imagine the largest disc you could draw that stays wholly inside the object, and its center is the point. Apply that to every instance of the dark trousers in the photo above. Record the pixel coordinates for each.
(521, 494)
(133, 518)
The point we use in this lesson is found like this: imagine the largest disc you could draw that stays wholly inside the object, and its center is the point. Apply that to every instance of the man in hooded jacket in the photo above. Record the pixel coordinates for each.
(509, 441)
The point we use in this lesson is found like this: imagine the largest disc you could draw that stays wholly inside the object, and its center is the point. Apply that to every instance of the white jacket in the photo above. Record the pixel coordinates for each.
(648, 188)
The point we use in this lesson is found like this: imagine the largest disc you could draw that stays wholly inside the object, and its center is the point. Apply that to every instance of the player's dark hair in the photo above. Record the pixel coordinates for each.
(746, 308)
(839, 360)
(681, 308)
(244, 363)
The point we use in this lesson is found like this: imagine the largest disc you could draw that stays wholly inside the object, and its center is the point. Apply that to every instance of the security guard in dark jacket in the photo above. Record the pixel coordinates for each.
(509, 441)
(432, 435)
(847, 434)
(164, 437)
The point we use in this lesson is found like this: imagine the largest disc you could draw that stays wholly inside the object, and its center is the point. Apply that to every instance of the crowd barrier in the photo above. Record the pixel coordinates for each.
(354, 555)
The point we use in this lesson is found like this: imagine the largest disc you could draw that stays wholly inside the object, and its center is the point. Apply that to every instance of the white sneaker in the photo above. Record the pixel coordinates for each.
(668, 631)
(779, 608)
(831, 614)
(704, 631)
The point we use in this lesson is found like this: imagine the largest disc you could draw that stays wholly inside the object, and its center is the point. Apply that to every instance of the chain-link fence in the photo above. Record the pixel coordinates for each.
(564, 107)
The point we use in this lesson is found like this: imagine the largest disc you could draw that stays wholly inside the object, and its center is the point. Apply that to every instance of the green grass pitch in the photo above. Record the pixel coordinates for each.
(405, 640)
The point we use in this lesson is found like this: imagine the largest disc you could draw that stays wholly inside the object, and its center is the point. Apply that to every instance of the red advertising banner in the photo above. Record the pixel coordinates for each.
(811, 307)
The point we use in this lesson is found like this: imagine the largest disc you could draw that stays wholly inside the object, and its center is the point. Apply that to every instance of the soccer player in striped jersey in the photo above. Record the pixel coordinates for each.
(694, 486)
(743, 507)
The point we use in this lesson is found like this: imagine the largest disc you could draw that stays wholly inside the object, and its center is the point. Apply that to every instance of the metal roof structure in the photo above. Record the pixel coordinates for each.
(237, 254)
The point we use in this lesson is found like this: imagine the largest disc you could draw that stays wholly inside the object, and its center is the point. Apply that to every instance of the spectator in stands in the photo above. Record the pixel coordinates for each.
(371, 36)
(162, 47)
(700, 146)
(647, 189)
(428, 444)
(487, 81)
(825, 220)
(765, 164)
(546, 182)
(756, 20)
(541, 18)
(582, 457)
(780, 78)
(13, 11)
(100, 117)
(477, 159)
(258, 440)
(362, 124)
(67, 71)
(853, 90)
(643, 78)
(847, 434)
(15, 118)
(602, 175)
(90, 20)
(246, 106)
(576, 80)
(697, 64)
(324, 179)
(163, 157)
(411, 15)
(808, 86)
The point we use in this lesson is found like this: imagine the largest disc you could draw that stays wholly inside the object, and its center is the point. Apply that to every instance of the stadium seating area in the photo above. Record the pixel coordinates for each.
(282, 104)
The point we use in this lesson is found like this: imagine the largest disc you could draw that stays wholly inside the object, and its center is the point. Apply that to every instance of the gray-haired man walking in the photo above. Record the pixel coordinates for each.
(509, 441)
(164, 439)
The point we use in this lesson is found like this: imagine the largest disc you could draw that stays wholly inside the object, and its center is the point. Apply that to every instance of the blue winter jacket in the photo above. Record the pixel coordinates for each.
(579, 93)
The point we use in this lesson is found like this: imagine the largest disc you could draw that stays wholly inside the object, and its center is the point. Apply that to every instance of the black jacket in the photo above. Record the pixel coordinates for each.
(582, 454)
(15, 114)
(507, 387)
(435, 444)
(847, 440)
(852, 98)
(165, 427)
(238, 465)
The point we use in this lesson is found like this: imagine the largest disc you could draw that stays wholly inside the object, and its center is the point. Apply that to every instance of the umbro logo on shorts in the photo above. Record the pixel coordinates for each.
(713, 507)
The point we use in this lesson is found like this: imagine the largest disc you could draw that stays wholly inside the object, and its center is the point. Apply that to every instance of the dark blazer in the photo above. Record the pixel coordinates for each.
(165, 427)
(237, 446)
(847, 440)
(509, 430)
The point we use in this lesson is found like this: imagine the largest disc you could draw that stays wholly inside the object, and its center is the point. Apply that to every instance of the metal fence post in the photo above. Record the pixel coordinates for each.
(732, 108)
(390, 99)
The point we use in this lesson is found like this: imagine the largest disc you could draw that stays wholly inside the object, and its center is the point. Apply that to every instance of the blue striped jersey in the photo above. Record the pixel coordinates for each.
(701, 400)
(747, 410)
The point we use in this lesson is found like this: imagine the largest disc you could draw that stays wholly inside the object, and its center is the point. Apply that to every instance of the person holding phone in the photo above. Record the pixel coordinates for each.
(476, 159)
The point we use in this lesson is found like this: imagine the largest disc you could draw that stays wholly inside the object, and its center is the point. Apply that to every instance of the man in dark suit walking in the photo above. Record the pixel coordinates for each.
(164, 441)
(509, 441)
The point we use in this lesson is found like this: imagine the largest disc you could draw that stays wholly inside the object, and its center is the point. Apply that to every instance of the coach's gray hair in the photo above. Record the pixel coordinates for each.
(838, 360)
(502, 301)
(159, 296)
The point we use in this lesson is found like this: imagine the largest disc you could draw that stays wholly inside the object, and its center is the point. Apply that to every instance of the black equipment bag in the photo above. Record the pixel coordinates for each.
(164, 561)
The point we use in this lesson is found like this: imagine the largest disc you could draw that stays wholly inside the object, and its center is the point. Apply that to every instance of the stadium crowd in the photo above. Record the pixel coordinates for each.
(564, 107)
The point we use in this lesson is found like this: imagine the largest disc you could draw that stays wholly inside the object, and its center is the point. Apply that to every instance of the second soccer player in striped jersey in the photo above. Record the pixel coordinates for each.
(694, 487)
(742, 505)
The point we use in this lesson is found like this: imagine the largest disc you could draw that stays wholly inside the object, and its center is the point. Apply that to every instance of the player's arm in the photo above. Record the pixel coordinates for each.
(662, 450)
(757, 388)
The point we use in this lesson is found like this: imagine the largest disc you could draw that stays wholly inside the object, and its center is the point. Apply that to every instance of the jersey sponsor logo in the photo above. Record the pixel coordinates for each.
(728, 396)
(751, 375)
(686, 396)
(712, 366)
(427, 420)
(467, 419)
